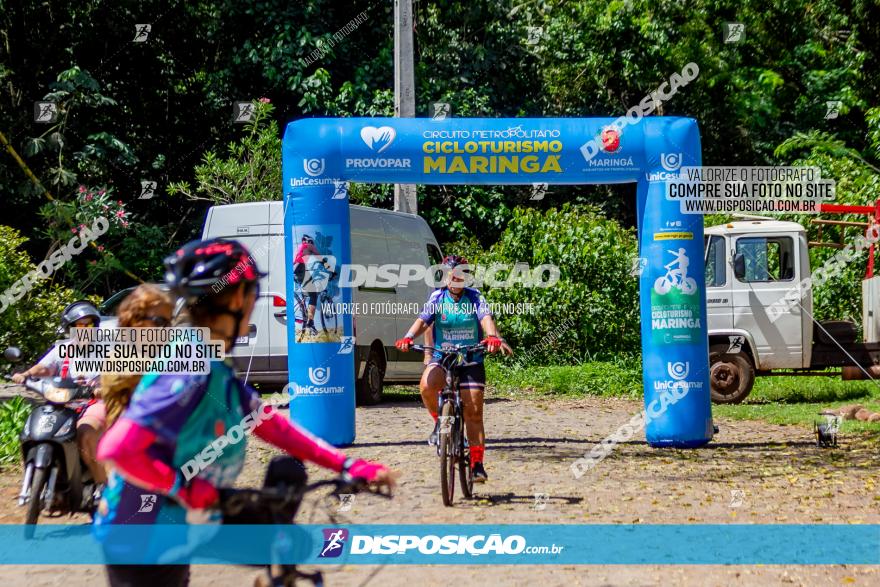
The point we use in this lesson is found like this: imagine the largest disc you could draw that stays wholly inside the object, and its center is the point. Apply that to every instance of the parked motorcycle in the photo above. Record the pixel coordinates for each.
(56, 480)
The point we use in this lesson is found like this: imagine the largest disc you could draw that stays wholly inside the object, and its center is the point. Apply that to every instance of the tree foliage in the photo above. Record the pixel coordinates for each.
(594, 304)
(161, 109)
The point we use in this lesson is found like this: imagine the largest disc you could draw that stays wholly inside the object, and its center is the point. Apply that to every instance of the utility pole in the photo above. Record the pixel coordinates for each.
(404, 90)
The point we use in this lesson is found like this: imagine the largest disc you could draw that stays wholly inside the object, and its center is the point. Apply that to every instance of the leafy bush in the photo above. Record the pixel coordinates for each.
(593, 311)
(13, 414)
(30, 322)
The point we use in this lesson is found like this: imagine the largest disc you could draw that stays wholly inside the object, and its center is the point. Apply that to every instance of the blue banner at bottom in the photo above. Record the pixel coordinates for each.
(526, 544)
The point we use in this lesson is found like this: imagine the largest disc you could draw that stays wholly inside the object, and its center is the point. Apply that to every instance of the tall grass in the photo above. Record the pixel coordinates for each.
(621, 377)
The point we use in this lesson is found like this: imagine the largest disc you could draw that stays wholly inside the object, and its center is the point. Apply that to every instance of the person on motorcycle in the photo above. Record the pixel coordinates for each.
(92, 422)
(458, 315)
(172, 418)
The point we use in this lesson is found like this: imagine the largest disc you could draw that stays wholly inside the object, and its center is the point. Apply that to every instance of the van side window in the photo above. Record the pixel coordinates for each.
(767, 258)
(434, 255)
(716, 261)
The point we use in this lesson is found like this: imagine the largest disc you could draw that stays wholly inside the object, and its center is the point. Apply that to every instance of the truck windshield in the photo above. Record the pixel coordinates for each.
(767, 258)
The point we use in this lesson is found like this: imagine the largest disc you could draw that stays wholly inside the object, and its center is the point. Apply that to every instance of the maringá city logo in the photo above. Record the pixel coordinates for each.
(610, 140)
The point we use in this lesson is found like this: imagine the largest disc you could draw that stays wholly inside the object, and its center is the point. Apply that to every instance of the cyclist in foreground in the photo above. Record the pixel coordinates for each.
(458, 315)
(172, 418)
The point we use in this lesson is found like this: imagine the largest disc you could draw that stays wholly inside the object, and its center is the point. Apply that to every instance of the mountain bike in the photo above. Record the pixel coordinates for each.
(452, 446)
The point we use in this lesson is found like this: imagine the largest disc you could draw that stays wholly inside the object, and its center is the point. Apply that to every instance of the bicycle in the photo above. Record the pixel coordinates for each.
(675, 278)
(278, 502)
(324, 310)
(452, 446)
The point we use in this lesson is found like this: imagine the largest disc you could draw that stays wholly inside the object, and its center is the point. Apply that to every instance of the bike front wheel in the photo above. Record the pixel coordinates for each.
(689, 286)
(300, 317)
(329, 319)
(447, 455)
(465, 473)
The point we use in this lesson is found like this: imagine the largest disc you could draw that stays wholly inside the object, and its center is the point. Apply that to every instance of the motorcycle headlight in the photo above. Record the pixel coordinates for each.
(59, 395)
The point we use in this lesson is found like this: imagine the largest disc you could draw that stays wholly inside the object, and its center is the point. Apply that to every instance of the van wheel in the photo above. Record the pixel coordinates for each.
(731, 375)
(369, 389)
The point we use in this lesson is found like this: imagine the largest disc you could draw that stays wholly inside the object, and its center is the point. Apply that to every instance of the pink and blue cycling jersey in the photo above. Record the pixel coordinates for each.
(187, 413)
(456, 322)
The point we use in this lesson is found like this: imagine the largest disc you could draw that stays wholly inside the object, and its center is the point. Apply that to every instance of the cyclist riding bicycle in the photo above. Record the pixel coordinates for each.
(172, 418)
(301, 260)
(92, 422)
(458, 315)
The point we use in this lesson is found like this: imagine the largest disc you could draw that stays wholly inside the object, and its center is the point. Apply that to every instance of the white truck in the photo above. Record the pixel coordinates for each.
(752, 267)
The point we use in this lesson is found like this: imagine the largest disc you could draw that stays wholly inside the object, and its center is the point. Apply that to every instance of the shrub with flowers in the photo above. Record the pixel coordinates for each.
(66, 219)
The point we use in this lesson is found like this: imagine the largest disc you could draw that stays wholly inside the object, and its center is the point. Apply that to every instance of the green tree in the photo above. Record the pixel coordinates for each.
(857, 178)
(30, 322)
(595, 302)
(251, 171)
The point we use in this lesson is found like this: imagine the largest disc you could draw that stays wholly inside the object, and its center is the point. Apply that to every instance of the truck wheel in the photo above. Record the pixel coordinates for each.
(731, 375)
(369, 388)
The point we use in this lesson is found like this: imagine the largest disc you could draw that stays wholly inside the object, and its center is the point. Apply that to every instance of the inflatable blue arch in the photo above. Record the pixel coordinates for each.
(321, 155)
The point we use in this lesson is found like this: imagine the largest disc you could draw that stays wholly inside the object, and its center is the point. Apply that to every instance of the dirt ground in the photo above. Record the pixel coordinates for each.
(752, 473)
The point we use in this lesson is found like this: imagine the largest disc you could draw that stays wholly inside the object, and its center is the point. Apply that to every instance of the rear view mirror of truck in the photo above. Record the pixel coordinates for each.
(739, 266)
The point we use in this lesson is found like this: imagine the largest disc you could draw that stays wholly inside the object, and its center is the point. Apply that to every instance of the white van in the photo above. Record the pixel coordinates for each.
(377, 237)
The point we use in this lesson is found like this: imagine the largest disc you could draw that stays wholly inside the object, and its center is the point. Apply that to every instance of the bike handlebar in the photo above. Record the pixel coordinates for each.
(450, 351)
(46, 387)
(233, 500)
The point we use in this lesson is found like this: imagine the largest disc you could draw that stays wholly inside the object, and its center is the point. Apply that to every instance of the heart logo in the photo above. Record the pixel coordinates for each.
(378, 139)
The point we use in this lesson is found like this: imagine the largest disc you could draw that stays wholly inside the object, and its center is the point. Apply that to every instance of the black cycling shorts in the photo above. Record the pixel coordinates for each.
(470, 377)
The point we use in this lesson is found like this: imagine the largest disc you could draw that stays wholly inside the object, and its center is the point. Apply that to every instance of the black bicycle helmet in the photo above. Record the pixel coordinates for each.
(201, 268)
(77, 311)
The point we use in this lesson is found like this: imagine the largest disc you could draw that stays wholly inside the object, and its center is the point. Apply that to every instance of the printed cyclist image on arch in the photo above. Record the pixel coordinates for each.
(676, 275)
(316, 284)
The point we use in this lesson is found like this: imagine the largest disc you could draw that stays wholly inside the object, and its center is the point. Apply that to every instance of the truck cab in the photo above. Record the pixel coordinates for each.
(750, 265)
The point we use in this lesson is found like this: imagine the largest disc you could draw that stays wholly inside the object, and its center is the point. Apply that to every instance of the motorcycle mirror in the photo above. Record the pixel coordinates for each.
(12, 354)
